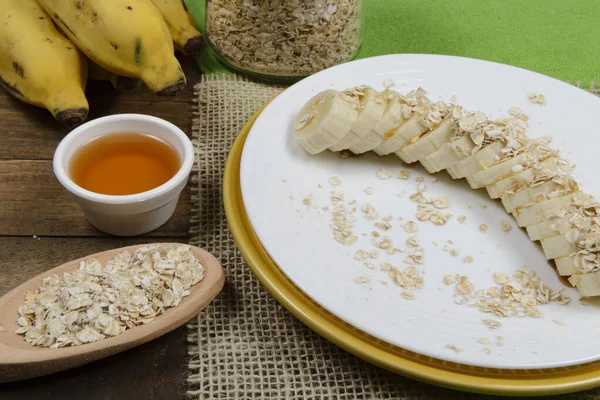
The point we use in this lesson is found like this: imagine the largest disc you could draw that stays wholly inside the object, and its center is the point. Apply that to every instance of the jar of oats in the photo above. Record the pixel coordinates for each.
(284, 40)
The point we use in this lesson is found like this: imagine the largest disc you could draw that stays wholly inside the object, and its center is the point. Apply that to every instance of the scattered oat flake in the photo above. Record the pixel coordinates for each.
(499, 341)
(419, 178)
(583, 301)
(383, 174)
(454, 348)
(320, 186)
(535, 352)
(487, 350)
(483, 206)
(361, 255)
(307, 200)
(361, 279)
(441, 202)
(369, 190)
(369, 265)
(468, 259)
(283, 180)
(384, 283)
(404, 174)
(408, 295)
(491, 323)
(500, 278)
(514, 111)
(383, 225)
(435, 243)
(505, 225)
(411, 227)
(454, 252)
(483, 227)
(484, 341)
(325, 208)
(559, 322)
(535, 98)
(335, 181)
(388, 83)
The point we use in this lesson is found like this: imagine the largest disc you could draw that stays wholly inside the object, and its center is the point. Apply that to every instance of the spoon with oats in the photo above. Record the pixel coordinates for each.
(102, 304)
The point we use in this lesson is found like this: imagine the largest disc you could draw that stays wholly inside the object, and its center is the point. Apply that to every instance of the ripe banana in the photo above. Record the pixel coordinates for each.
(126, 37)
(181, 26)
(123, 83)
(40, 66)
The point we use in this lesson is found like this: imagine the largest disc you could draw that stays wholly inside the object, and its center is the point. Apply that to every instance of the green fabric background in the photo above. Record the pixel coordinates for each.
(560, 38)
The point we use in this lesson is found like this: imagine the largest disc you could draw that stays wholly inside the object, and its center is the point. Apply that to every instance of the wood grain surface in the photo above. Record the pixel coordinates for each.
(32, 203)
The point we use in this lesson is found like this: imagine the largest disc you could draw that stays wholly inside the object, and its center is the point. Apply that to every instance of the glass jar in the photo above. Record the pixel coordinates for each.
(284, 40)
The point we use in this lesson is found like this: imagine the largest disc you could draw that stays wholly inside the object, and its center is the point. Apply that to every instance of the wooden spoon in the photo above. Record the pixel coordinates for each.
(21, 360)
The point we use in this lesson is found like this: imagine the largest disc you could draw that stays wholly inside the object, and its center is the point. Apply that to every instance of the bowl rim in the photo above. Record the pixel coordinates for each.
(182, 174)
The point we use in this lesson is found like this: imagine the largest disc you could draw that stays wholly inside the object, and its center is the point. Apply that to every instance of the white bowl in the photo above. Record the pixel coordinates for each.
(134, 214)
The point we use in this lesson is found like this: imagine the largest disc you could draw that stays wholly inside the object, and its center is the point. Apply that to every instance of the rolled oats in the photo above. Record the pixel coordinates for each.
(383, 174)
(95, 301)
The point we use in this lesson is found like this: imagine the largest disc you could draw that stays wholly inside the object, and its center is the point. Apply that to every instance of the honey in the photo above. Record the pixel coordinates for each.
(124, 163)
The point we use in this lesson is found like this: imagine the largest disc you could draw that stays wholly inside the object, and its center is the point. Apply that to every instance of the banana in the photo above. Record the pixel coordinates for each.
(449, 154)
(587, 284)
(476, 162)
(181, 26)
(371, 108)
(393, 116)
(98, 73)
(521, 178)
(419, 106)
(541, 231)
(428, 143)
(325, 120)
(538, 212)
(126, 37)
(40, 66)
(535, 194)
(557, 246)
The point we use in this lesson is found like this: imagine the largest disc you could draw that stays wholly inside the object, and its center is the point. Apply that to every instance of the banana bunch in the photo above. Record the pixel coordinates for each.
(49, 48)
(531, 180)
(29, 45)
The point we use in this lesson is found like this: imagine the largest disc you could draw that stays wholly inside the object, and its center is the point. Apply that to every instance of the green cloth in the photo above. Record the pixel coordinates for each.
(560, 38)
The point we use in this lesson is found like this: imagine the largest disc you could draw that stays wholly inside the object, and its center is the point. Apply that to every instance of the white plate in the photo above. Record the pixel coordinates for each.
(276, 175)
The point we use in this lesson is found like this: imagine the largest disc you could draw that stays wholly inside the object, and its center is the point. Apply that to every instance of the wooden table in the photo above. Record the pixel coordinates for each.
(40, 227)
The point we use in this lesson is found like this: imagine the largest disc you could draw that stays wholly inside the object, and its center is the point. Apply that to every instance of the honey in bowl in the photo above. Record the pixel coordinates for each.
(124, 163)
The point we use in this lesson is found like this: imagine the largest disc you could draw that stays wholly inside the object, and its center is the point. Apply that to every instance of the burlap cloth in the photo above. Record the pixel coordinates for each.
(245, 345)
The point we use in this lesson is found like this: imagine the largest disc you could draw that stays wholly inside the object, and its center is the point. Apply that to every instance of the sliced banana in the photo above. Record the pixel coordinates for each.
(476, 162)
(498, 189)
(496, 172)
(449, 154)
(541, 231)
(393, 116)
(557, 246)
(325, 120)
(371, 108)
(540, 211)
(587, 284)
(428, 143)
(533, 194)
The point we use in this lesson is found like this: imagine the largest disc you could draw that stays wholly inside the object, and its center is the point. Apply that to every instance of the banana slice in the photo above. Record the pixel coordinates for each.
(325, 120)
(428, 143)
(497, 172)
(431, 122)
(557, 246)
(519, 179)
(587, 284)
(541, 231)
(449, 154)
(418, 105)
(393, 116)
(371, 108)
(534, 194)
(540, 211)
(476, 162)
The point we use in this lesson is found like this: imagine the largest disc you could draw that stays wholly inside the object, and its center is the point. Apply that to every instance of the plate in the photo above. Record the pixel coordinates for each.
(538, 382)
(277, 176)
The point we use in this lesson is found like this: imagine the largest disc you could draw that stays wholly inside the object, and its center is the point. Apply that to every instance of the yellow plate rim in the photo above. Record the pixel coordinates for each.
(550, 381)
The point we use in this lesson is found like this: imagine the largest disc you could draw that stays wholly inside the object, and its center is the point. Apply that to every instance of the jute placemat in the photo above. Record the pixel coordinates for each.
(245, 345)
